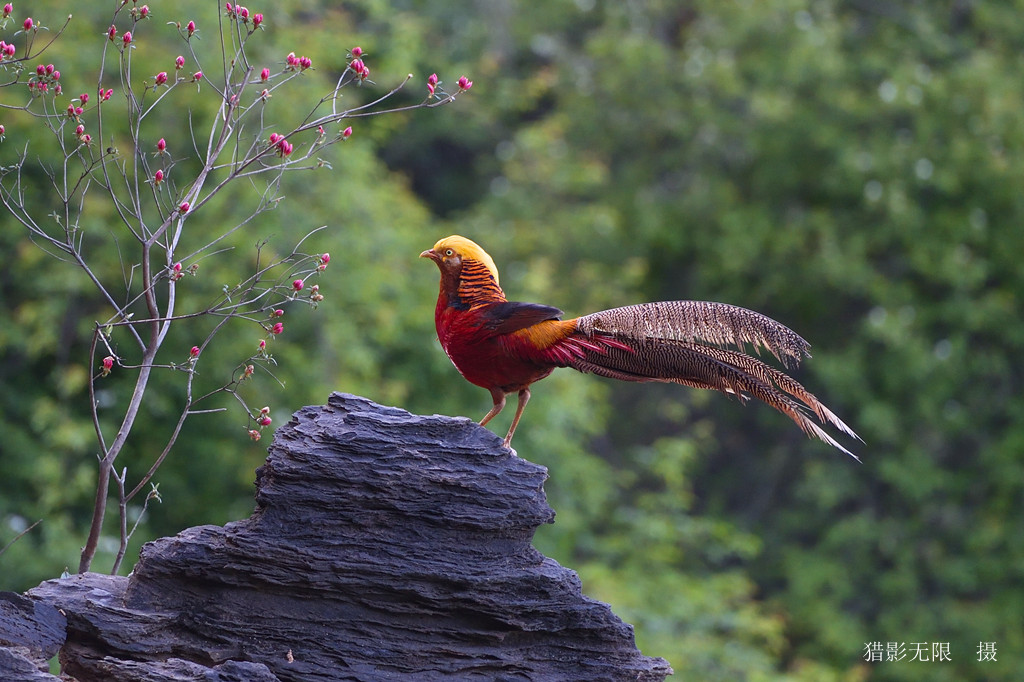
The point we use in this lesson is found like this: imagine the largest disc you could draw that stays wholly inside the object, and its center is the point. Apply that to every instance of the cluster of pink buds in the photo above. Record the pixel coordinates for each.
(465, 83)
(264, 418)
(361, 70)
(46, 75)
(83, 137)
(284, 147)
(140, 12)
(300, 63)
(314, 294)
(6, 50)
(432, 83)
(243, 13)
(277, 328)
(104, 95)
(74, 111)
(324, 259)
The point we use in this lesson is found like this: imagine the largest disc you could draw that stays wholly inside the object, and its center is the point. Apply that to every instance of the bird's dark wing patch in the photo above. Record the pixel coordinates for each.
(511, 316)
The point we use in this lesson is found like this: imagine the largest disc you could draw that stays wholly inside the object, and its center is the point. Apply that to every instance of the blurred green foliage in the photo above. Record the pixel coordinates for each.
(852, 169)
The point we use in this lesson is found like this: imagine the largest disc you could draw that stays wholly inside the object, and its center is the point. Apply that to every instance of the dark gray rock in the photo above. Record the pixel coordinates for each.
(384, 546)
(31, 633)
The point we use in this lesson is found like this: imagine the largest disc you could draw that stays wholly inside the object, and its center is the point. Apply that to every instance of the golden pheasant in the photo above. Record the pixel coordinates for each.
(505, 346)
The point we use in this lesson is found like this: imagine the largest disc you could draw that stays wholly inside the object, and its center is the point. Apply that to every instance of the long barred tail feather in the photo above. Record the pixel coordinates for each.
(664, 340)
(720, 324)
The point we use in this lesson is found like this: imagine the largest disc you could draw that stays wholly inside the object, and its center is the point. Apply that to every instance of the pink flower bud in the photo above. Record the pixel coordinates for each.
(79, 130)
(249, 369)
(263, 344)
(194, 352)
(107, 94)
(86, 139)
(144, 11)
(55, 75)
(230, 10)
(264, 411)
(277, 328)
(127, 38)
(108, 363)
(29, 24)
(161, 78)
(292, 59)
(257, 20)
(191, 28)
(40, 70)
(161, 145)
(177, 266)
(79, 111)
(264, 74)
(305, 62)
(197, 76)
(179, 62)
(49, 69)
(8, 8)
(298, 284)
(158, 178)
(325, 258)
(2, 129)
(432, 79)
(357, 51)
(112, 32)
(10, 50)
(83, 98)
(183, 207)
(346, 133)
(465, 83)
(254, 434)
(244, 13)
(357, 65)
(265, 421)
(286, 147)
(278, 313)
(274, 137)
(430, 88)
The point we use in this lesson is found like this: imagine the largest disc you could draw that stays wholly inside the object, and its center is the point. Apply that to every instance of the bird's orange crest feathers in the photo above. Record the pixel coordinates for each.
(468, 250)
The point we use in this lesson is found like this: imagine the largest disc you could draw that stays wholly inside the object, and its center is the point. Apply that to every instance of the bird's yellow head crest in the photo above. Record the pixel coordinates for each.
(464, 249)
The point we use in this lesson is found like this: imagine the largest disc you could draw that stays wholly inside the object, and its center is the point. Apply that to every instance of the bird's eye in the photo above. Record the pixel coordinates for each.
(449, 252)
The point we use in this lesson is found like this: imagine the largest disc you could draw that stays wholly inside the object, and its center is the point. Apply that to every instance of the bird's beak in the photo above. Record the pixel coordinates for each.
(429, 253)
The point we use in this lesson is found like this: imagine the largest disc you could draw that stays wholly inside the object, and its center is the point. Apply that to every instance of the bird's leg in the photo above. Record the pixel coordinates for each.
(524, 397)
(499, 404)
